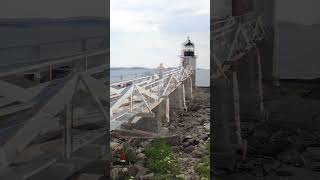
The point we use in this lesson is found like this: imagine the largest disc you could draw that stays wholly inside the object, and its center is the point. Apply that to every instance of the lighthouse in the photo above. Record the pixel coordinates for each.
(189, 58)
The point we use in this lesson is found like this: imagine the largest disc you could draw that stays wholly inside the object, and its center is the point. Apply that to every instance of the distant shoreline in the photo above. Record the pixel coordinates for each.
(145, 68)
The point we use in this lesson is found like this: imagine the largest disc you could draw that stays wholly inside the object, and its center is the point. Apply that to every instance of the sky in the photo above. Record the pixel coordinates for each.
(146, 33)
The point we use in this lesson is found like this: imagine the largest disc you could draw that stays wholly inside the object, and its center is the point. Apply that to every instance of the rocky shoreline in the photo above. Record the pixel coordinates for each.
(189, 142)
(287, 145)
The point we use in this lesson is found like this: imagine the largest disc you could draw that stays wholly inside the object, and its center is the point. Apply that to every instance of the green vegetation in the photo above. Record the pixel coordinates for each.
(160, 158)
(203, 167)
(130, 154)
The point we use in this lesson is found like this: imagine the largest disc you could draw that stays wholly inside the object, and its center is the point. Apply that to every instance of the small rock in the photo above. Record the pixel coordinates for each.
(204, 137)
(195, 142)
(189, 149)
(196, 154)
(141, 156)
(141, 170)
(176, 149)
(195, 176)
(139, 150)
(133, 170)
(171, 128)
(124, 172)
(147, 176)
(182, 176)
(175, 141)
(191, 141)
(202, 148)
(185, 144)
(207, 126)
(190, 170)
(115, 173)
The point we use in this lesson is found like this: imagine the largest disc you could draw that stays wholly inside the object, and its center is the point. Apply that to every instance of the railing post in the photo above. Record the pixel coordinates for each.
(131, 102)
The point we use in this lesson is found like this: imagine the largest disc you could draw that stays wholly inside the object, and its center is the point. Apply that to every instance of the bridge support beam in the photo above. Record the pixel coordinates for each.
(188, 88)
(251, 100)
(164, 110)
(154, 124)
(177, 98)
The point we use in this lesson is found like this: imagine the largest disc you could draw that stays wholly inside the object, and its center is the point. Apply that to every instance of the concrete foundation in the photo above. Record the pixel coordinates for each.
(164, 110)
(154, 124)
(177, 99)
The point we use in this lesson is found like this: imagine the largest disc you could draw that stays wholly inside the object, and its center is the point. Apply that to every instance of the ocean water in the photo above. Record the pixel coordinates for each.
(120, 74)
(20, 37)
(294, 61)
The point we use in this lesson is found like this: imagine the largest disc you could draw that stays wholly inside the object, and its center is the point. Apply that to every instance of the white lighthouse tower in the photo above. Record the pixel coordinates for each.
(189, 58)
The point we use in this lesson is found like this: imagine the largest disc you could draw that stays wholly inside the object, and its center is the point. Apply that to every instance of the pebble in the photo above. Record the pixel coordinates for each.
(182, 176)
(207, 126)
(141, 156)
(139, 150)
(191, 141)
(148, 176)
(189, 149)
(185, 144)
(196, 154)
(115, 173)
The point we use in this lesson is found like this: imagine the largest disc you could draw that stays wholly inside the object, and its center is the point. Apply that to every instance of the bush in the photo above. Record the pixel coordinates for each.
(160, 158)
(203, 167)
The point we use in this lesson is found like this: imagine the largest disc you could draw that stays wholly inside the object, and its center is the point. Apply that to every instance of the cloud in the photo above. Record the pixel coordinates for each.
(150, 15)
(147, 32)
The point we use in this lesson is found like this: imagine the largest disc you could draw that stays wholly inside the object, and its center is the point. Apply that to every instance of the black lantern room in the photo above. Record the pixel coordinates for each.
(188, 48)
